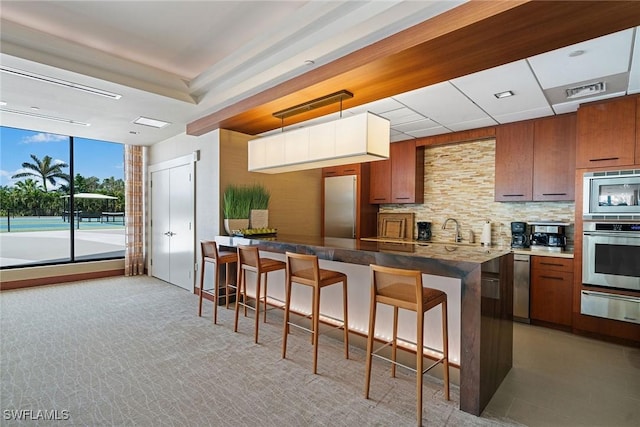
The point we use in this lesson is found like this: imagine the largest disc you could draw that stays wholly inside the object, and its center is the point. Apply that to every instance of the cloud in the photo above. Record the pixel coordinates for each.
(43, 138)
(58, 161)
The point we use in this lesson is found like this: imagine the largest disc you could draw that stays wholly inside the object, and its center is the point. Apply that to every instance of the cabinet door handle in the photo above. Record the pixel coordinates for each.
(554, 194)
(379, 198)
(604, 159)
(551, 263)
(512, 195)
(402, 198)
(349, 170)
(551, 277)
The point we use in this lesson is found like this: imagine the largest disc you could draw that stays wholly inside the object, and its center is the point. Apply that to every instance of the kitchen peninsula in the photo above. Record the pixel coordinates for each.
(482, 280)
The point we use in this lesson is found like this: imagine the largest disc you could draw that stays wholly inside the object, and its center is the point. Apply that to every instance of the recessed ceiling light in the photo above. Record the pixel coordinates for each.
(505, 94)
(576, 53)
(35, 108)
(309, 62)
(146, 121)
(43, 116)
(3, 103)
(59, 82)
(133, 132)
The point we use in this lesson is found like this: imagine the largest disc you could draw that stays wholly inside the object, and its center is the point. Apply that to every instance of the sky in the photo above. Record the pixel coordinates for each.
(92, 158)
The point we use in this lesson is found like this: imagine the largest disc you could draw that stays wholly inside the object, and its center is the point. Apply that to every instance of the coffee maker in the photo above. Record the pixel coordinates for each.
(424, 230)
(548, 235)
(519, 235)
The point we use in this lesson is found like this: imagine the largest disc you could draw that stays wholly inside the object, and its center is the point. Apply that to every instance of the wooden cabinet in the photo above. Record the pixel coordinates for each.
(514, 162)
(351, 169)
(535, 160)
(401, 178)
(606, 133)
(552, 290)
(380, 190)
(554, 153)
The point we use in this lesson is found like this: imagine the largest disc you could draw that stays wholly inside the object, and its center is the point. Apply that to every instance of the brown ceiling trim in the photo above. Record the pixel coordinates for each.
(451, 20)
(472, 37)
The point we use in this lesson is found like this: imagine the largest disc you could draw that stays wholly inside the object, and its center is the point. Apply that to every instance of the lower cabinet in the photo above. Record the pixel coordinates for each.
(552, 290)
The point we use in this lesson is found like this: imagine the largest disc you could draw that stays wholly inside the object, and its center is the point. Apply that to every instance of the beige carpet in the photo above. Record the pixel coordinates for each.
(132, 351)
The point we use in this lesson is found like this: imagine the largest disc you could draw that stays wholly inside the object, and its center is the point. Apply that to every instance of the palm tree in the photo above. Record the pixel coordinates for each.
(45, 170)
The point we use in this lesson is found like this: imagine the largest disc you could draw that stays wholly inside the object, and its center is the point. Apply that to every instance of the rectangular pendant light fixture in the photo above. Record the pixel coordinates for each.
(356, 139)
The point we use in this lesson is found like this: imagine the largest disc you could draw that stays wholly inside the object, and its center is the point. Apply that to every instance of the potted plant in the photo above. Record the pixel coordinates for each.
(236, 207)
(259, 206)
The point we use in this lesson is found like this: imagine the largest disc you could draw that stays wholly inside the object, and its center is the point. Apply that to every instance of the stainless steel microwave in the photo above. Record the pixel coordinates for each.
(611, 195)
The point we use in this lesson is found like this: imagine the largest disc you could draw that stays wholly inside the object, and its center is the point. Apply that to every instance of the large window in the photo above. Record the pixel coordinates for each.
(49, 218)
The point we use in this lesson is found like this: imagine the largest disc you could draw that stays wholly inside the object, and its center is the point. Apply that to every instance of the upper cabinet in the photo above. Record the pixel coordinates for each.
(554, 153)
(606, 133)
(341, 170)
(401, 178)
(535, 160)
(380, 189)
(514, 162)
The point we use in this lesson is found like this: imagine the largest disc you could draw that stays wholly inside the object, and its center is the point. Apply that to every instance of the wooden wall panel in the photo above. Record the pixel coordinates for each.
(295, 204)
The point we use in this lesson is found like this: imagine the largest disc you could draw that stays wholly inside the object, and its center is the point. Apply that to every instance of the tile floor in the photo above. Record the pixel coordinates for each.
(561, 379)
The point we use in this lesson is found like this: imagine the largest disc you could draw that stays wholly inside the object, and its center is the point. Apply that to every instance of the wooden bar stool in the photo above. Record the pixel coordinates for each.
(209, 253)
(249, 260)
(401, 288)
(304, 270)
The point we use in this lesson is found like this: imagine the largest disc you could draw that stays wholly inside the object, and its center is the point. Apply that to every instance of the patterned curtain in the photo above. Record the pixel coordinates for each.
(134, 211)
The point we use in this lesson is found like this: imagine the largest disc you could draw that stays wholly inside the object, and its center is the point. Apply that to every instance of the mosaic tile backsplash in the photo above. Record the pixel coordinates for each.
(459, 183)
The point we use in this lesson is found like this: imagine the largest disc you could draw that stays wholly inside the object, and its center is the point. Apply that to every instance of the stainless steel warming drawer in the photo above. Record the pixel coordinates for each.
(610, 306)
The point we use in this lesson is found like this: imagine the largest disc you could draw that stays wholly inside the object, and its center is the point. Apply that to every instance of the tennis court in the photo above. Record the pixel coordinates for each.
(46, 239)
(51, 223)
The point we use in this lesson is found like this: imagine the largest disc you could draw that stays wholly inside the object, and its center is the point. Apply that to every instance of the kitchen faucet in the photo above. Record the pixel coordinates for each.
(457, 237)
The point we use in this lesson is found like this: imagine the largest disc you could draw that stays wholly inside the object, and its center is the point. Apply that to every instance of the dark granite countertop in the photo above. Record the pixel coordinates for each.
(434, 250)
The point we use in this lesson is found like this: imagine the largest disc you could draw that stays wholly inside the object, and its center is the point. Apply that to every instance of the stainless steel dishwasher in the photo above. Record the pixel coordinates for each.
(521, 279)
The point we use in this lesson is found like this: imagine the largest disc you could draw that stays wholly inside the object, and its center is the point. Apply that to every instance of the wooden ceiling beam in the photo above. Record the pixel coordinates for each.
(472, 37)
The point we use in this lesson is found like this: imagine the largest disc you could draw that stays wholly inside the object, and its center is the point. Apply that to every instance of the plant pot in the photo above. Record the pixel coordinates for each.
(259, 218)
(235, 224)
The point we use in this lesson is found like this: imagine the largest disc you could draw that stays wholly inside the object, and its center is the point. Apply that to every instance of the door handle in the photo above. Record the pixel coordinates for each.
(169, 233)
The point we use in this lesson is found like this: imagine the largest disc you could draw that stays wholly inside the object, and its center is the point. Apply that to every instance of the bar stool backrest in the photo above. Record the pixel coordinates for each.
(249, 257)
(209, 249)
(303, 268)
(399, 287)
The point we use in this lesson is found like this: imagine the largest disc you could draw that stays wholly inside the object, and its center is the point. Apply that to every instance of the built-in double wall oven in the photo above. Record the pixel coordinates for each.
(611, 246)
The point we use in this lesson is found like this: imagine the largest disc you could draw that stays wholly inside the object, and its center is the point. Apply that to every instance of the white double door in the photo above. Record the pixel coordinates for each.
(172, 257)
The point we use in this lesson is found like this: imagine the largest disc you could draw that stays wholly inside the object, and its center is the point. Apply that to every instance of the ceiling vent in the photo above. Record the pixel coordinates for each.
(586, 90)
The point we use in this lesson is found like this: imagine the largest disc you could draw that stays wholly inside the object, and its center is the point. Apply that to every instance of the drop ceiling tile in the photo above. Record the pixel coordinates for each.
(516, 77)
(416, 125)
(472, 124)
(377, 107)
(429, 132)
(566, 107)
(617, 83)
(442, 103)
(402, 115)
(517, 116)
(602, 56)
(401, 137)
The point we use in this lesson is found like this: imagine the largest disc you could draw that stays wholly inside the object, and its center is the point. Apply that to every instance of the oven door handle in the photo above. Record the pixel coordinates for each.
(612, 296)
(612, 234)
